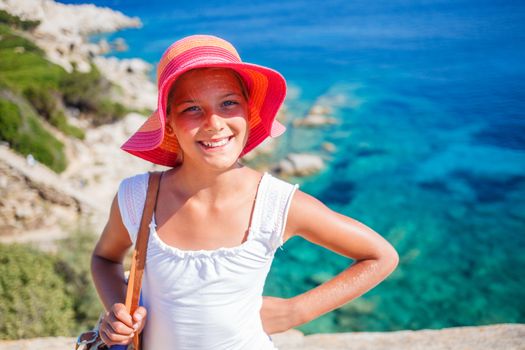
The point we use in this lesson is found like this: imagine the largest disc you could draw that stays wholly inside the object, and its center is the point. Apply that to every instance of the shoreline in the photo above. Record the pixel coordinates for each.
(63, 34)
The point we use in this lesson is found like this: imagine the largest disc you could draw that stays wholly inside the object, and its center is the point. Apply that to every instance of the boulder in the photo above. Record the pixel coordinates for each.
(299, 164)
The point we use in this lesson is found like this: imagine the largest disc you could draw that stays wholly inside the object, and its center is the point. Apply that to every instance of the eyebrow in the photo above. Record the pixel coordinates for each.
(194, 101)
(230, 94)
(186, 101)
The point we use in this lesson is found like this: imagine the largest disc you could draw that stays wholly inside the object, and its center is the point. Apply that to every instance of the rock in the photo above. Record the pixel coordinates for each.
(40, 206)
(329, 147)
(132, 75)
(299, 164)
(104, 46)
(491, 337)
(264, 148)
(63, 29)
(314, 120)
(119, 44)
(320, 109)
(29, 201)
(503, 336)
(318, 115)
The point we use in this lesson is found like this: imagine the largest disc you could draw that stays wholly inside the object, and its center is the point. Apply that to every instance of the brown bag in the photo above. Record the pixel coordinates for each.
(90, 340)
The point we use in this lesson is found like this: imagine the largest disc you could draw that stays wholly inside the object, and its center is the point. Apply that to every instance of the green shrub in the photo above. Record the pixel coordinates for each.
(20, 71)
(46, 105)
(33, 297)
(58, 120)
(25, 70)
(88, 92)
(10, 120)
(17, 22)
(44, 294)
(11, 41)
(108, 112)
(82, 90)
(75, 254)
(26, 135)
(42, 100)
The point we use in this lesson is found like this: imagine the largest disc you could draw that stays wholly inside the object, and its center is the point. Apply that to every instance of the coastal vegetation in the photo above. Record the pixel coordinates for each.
(36, 96)
(47, 294)
(24, 132)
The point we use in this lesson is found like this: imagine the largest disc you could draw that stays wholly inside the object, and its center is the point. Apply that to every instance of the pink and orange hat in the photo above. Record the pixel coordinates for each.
(266, 90)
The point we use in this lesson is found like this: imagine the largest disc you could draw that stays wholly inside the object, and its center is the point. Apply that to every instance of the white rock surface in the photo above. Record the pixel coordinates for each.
(87, 186)
(318, 115)
(97, 164)
(299, 164)
(63, 28)
(130, 74)
(492, 337)
(315, 120)
(264, 148)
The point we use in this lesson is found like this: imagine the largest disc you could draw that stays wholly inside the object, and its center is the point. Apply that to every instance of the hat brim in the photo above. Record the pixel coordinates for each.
(266, 89)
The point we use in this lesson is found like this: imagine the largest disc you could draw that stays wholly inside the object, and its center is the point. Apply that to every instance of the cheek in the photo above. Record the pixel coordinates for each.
(184, 129)
(185, 124)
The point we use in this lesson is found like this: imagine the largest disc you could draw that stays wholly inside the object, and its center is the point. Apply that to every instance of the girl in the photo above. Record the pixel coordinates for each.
(217, 223)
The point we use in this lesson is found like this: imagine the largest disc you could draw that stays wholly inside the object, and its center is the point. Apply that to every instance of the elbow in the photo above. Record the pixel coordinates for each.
(386, 259)
(390, 259)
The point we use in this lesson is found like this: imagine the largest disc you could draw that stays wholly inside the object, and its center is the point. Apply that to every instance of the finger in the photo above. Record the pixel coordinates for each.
(122, 314)
(110, 338)
(139, 317)
(115, 326)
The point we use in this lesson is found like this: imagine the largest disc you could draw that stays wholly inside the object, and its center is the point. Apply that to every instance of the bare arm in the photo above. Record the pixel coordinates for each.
(118, 327)
(106, 262)
(375, 260)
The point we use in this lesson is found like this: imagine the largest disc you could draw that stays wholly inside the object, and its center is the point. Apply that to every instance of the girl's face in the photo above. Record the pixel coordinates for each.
(208, 113)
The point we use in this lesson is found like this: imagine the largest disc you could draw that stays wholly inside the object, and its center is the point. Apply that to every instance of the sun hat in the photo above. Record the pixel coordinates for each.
(266, 91)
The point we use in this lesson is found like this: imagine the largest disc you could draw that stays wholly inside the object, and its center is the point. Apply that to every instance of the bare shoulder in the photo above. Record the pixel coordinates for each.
(311, 219)
(302, 207)
(114, 241)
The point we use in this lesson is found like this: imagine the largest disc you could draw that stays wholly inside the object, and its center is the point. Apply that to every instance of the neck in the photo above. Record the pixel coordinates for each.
(206, 184)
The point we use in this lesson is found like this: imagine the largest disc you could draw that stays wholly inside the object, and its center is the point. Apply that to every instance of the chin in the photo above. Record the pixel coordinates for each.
(222, 165)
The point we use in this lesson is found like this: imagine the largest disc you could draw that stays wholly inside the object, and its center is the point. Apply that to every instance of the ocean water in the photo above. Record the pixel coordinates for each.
(430, 99)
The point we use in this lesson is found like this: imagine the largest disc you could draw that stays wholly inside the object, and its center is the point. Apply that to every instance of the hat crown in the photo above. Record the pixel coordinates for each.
(193, 49)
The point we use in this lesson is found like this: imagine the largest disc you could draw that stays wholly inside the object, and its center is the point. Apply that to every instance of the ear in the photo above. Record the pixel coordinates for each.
(169, 128)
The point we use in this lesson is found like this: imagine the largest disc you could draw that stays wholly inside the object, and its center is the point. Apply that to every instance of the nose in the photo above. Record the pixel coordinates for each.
(214, 122)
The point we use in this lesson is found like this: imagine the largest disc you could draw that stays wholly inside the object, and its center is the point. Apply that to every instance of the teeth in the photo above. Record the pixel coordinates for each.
(216, 144)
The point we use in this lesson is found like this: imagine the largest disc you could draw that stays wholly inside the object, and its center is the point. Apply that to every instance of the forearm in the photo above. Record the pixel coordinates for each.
(109, 280)
(353, 282)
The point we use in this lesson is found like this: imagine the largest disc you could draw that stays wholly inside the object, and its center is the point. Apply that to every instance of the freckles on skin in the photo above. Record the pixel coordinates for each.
(204, 86)
(348, 285)
(206, 104)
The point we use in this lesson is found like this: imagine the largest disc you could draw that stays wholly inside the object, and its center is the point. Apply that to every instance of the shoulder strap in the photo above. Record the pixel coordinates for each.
(271, 212)
(139, 254)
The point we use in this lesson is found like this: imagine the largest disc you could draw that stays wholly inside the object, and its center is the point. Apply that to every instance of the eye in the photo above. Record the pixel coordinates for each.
(229, 103)
(191, 109)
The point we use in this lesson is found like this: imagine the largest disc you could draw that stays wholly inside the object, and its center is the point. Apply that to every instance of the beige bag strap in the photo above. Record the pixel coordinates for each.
(139, 254)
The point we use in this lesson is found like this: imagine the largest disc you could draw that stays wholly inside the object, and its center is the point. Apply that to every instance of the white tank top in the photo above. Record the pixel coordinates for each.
(208, 299)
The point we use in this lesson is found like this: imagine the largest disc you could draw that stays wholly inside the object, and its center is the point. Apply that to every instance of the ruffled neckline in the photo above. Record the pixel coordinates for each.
(210, 253)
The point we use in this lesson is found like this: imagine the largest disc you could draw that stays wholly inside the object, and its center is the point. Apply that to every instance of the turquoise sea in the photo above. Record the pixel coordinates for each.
(430, 99)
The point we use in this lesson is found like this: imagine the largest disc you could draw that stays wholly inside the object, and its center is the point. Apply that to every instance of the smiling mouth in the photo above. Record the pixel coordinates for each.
(215, 144)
